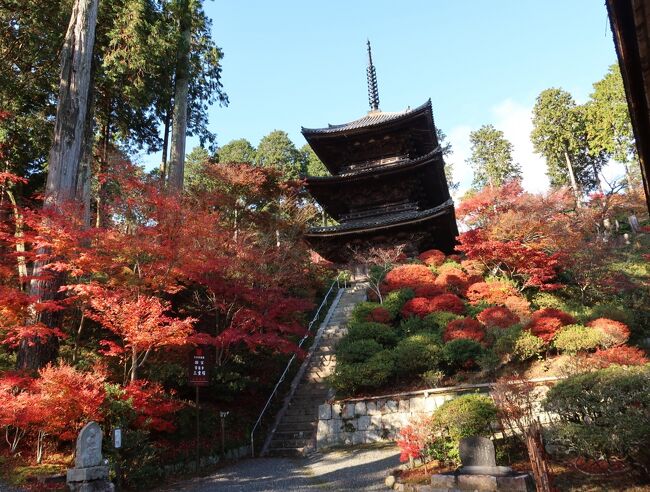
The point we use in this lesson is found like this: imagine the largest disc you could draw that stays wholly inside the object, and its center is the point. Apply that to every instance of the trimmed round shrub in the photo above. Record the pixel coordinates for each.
(576, 338)
(473, 267)
(613, 333)
(527, 346)
(380, 315)
(448, 302)
(417, 354)
(461, 354)
(503, 341)
(428, 290)
(432, 257)
(438, 320)
(394, 301)
(362, 311)
(464, 328)
(418, 306)
(465, 416)
(519, 306)
(604, 413)
(495, 292)
(382, 334)
(497, 316)
(622, 356)
(350, 351)
(374, 373)
(563, 317)
(452, 279)
(408, 276)
(546, 322)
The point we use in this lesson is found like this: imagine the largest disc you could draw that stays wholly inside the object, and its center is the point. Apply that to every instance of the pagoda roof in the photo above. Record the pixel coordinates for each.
(387, 220)
(372, 119)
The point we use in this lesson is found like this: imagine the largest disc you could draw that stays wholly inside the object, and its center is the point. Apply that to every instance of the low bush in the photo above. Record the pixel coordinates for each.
(429, 291)
(452, 279)
(438, 321)
(380, 333)
(497, 316)
(373, 373)
(448, 302)
(362, 312)
(465, 416)
(527, 346)
(417, 354)
(380, 315)
(605, 413)
(461, 354)
(394, 301)
(418, 307)
(576, 338)
(464, 328)
(622, 356)
(350, 351)
(408, 276)
(494, 292)
(613, 333)
(504, 341)
(432, 378)
(432, 257)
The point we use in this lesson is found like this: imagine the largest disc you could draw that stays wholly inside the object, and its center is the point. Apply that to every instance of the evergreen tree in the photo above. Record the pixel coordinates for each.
(312, 163)
(195, 163)
(239, 150)
(560, 136)
(277, 150)
(609, 128)
(491, 158)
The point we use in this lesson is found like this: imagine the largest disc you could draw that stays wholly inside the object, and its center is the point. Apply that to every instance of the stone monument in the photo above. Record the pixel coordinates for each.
(89, 474)
(479, 471)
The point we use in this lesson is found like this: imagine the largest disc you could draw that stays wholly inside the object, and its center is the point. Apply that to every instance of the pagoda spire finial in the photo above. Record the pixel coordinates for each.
(373, 91)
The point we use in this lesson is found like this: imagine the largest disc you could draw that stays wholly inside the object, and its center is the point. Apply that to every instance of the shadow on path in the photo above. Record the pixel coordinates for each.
(348, 469)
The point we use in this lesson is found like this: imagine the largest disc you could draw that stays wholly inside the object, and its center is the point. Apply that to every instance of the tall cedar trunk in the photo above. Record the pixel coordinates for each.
(65, 158)
(179, 117)
(572, 177)
(165, 147)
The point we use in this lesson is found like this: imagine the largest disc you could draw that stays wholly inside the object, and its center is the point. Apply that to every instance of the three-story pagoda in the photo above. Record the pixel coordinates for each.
(388, 184)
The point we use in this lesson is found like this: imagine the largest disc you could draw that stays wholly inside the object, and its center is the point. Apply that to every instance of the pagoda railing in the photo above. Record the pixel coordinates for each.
(336, 283)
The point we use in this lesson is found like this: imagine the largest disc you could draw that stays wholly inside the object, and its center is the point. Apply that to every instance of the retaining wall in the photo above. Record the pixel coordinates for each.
(380, 418)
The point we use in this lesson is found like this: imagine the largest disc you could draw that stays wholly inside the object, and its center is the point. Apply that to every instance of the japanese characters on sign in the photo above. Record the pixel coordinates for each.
(198, 369)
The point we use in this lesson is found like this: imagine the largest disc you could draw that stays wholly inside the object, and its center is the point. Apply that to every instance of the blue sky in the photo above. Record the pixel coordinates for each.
(299, 63)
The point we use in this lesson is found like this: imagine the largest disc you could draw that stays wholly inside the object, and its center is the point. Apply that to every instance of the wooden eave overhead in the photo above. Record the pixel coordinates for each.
(630, 21)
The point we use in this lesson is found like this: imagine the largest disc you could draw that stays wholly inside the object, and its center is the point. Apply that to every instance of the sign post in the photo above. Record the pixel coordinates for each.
(199, 376)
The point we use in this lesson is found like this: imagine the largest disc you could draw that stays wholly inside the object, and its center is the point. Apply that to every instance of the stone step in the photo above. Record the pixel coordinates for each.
(291, 443)
(293, 435)
(304, 427)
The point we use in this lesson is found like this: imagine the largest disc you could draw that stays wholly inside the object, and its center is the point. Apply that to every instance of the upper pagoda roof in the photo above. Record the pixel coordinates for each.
(373, 118)
(374, 137)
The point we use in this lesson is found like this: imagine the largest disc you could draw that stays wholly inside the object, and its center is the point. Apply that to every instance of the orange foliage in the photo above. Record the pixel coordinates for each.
(380, 315)
(499, 317)
(448, 302)
(614, 333)
(408, 276)
(546, 322)
(418, 306)
(622, 355)
(155, 409)
(432, 257)
(495, 292)
(452, 279)
(428, 290)
(464, 328)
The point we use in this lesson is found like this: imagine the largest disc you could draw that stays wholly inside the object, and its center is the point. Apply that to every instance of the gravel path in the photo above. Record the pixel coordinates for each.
(347, 469)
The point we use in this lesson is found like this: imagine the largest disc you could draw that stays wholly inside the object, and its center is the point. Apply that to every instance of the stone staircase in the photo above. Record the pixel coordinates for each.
(295, 434)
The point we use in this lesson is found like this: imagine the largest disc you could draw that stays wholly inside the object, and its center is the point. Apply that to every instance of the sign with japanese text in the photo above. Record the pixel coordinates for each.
(198, 369)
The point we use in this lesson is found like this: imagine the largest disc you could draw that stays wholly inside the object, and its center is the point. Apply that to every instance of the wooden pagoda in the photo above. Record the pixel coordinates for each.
(388, 184)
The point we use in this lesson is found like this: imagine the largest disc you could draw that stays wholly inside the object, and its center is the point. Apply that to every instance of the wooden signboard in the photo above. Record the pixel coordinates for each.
(198, 370)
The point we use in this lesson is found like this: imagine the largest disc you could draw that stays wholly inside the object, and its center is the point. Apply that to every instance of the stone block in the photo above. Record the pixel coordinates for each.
(323, 430)
(429, 404)
(477, 482)
(519, 483)
(348, 411)
(324, 411)
(381, 406)
(439, 400)
(375, 421)
(336, 409)
(440, 481)
(363, 423)
(346, 438)
(404, 406)
(87, 474)
(417, 404)
(374, 435)
(360, 408)
(359, 437)
(391, 406)
(371, 408)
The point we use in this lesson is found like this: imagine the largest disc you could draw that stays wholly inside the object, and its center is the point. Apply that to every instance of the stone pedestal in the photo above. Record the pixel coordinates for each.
(517, 482)
(89, 473)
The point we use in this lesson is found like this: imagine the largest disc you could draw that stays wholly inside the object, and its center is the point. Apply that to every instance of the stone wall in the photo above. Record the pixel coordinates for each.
(361, 421)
